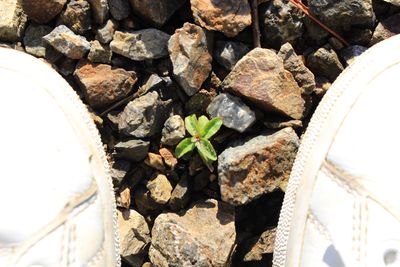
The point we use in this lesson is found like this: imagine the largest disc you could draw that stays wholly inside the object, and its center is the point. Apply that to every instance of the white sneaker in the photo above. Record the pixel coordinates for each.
(342, 205)
(57, 205)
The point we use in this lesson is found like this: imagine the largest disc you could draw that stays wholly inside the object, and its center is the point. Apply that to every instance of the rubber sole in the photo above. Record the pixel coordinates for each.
(316, 142)
(77, 113)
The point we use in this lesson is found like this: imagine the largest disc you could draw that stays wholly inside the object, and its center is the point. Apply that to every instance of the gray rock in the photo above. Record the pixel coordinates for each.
(144, 116)
(134, 236)
(156, 11)
(343, 14)
(256, 167)
(141, 45)
(67, 42)
(325, 62)
(199, 102)
(77, 16)
(153, 83)
(393, 2)
(204, 235)
(160, 189)
(144, 203)
(42, 11)
(100, 10)
(135, 150)
(173, 131)
(283, 124)
(106, 32)
(283, 22)
(349, 54)
(99, 53)
(119, 170)
(234, 113)
(228, 53)
(35, 45)
(180, 196)
(119, 9)
(190, 57)
(303, 76)
(12, 20)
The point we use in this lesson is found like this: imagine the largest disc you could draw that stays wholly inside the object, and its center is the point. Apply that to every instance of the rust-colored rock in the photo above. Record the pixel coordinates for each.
(190, 57)
(260, 77)
(103, 84)
(227, 16)
(42, 11)
(256, 167)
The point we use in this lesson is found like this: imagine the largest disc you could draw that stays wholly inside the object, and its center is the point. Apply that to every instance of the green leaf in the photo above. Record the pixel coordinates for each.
(203, 120)
(206, 150)
(191, 124)
(212, 127)
(184, 147)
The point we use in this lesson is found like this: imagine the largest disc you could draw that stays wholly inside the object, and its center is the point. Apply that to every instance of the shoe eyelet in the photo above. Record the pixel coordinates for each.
(391, 257)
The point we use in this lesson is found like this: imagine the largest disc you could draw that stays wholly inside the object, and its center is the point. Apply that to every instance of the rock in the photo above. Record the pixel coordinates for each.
(173, 131)
(228, 53)
(66, 66)
(204, 235)
(12, 20)
(144, 203)
(154, 82)
(144, 116)
(393, 2)
(100, 10)
(256, 167)
(119, 170)
(106, 32)
(180, 196)
(260, 77)
(386, 29)
(168, 157)
(119, 9)
(42, 11)
(322, 86)
(77, 16)
(102, 84)
(134, 236)
(155, 161)
(234, 113)
(156, 11)
(134, 150)
(257, 247)
(160, 189)
(67, 42)
(199, 102)
(229, 17)
(99, 53)
(343, 14)
(35, 45)
(283, 124)
(303, 76)
(141, 45)
(325, 62)
(124, 199)
(349, 54)
(282, 22)
(190, 57)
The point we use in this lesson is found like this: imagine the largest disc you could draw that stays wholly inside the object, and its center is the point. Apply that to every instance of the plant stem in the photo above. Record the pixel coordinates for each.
(311, 15)
(255, 24)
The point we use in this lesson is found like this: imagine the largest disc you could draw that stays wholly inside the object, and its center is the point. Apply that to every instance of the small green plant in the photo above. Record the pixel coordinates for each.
(201, 130)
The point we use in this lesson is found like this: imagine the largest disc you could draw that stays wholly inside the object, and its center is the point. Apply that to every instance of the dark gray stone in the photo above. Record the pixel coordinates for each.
(303, 76)
(325, 62)
(349, 54)
(173, 131)
(234, 113)
(119, 9)
(135, 150)
(156, 11)
(228, 53)
(77, 16)
(180, 196)
(67, 42)
(119, 170)
(99, 10)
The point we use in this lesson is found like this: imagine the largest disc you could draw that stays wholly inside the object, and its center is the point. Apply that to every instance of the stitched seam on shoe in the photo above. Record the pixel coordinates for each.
(64, 252)
(94, 260)
(318, 225)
